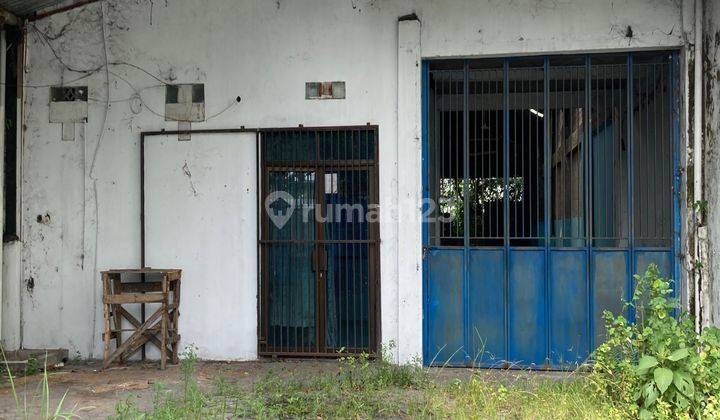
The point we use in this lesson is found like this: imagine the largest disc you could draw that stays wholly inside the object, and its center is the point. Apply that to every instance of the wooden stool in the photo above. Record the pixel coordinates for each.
(160, 329)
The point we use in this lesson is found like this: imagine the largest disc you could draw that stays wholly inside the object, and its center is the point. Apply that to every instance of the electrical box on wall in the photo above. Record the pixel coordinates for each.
(68, 106)
(325, 90)
(185, 103)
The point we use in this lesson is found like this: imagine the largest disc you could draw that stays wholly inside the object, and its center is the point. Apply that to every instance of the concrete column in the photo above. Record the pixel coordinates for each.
(409, 177)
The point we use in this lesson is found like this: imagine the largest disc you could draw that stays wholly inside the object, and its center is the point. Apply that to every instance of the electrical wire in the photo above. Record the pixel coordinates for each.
(91, 175)
(137, 93)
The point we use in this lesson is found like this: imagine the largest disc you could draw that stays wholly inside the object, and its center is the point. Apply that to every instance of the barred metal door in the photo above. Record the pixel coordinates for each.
(551, 181)
(319, 241)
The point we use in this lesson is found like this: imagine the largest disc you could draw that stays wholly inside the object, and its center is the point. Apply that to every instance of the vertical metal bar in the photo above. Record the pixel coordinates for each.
(466, 210)
(546, 197)
(354, 194)
(456, 141)
(142, 228)
(301, 249)
(290, 248)
(631, 182)
(365, 270)
(441, 143)
(285, 323)
(677, 224)
(520, 137)
(657, 175)
(506, 202)
(589, 190)
(425, 121)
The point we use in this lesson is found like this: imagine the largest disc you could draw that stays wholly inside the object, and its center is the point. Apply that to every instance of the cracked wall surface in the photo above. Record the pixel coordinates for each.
(264, 52)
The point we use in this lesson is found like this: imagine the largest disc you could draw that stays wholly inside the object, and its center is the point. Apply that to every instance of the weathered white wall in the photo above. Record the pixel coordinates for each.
(263, 51)
(711, 47)
(202, 217)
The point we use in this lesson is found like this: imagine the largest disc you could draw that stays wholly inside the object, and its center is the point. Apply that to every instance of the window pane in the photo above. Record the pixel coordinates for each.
(446, 171)
(652, 152)
(608, 119)
(486, 177)
(567, 138)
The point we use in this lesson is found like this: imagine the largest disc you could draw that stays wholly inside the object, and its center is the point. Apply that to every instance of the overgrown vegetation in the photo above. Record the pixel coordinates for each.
(39, 404)
(658, 367)
(653, 367)
(371, 388)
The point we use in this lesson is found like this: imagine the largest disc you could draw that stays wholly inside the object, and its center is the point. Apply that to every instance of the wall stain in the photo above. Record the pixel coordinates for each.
(188, 174)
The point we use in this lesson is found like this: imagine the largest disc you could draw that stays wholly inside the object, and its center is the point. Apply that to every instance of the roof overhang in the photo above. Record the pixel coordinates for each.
(12, 12)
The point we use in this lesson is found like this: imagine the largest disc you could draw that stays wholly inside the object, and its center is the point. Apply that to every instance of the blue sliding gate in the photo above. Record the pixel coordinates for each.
(549, 182)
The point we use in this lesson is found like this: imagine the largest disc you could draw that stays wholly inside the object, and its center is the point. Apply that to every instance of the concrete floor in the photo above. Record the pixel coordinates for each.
(94, 393)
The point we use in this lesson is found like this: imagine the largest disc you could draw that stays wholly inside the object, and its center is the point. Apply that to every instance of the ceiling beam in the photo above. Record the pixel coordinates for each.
(73, 5)
(8, 19)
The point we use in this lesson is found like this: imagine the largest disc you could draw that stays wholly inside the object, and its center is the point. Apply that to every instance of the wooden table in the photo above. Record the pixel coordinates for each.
(156, 286)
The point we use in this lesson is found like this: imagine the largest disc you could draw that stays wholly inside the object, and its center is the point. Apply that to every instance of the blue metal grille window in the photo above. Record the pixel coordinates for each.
(556, 179)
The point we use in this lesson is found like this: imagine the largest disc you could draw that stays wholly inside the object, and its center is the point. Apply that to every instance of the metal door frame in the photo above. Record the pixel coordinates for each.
(319, 166)
(588, 248)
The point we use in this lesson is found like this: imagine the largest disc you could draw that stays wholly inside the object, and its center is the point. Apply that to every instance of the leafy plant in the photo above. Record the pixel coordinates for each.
(40, 404)
(701, 207)
(657, 366)
(32, 367)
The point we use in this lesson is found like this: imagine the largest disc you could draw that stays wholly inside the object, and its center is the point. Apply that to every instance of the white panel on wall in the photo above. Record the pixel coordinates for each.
(201, 212)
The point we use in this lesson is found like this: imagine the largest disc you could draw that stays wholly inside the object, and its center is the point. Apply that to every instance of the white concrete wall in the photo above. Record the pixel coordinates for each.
(202, 218)
(263, 51)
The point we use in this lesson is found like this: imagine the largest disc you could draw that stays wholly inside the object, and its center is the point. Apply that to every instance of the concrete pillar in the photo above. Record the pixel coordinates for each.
(409, 144)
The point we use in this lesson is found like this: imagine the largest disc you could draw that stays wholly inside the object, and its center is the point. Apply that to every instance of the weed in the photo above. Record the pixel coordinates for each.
(32, 367)
(657, 366)
(364, 387)
(39, 405)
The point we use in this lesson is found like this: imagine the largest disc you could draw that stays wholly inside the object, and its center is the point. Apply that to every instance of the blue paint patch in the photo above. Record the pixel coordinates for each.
(610, 276)
(486, 272)
(663, 259)
(527, 327)
(569, 323)
(445, 308)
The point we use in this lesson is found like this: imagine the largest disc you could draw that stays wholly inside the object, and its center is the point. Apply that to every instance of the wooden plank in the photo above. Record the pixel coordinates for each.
(106, 314)
(133, 298)
(136, 323)
(135, 337)
(163, 323)
(117, 288)
(135, 287)
(175, 316)
(142, 271)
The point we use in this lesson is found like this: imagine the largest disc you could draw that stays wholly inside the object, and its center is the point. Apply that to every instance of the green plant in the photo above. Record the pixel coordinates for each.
(40, 404)
(361, 371)
(657, 366)
(32, 367)
(701, 207)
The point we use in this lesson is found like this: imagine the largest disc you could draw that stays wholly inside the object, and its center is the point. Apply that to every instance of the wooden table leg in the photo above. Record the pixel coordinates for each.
(117, 288)
(106, 314)
(176, 327)
(163, 323)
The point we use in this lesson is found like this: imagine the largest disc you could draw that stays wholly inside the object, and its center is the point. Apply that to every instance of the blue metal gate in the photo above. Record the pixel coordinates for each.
(549, 182)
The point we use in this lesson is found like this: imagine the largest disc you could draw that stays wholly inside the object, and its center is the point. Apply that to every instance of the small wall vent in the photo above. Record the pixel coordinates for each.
(68, 106)
(185, 103)
(69, 93)
(325, 90)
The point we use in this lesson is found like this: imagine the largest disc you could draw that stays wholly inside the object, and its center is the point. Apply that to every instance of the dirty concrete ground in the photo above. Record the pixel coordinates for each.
(94, 392)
